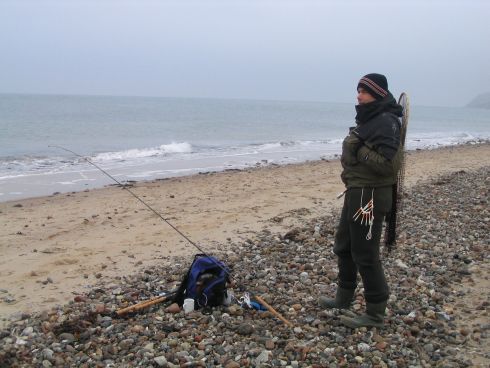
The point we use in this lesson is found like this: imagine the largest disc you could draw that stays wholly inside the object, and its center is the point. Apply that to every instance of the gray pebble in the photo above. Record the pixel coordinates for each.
(161, 361)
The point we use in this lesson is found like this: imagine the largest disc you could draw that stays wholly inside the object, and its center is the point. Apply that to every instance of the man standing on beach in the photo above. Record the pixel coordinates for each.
(371, 159)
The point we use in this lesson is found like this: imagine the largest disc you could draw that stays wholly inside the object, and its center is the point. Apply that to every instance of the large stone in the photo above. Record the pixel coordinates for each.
(161, 361)
(262, 358)
(245, 329)
(68, 337)
(173, 308)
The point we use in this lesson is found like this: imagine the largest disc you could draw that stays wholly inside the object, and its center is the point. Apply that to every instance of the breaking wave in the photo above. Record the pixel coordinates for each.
(164, 149)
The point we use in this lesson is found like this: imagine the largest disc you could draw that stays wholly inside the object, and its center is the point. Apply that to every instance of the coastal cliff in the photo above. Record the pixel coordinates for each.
(481, 101)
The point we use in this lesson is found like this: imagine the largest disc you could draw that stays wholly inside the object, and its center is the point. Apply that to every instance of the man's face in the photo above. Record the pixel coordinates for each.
(364, 97)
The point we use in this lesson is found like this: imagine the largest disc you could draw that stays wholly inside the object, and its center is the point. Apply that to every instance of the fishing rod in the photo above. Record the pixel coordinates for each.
(157, 300)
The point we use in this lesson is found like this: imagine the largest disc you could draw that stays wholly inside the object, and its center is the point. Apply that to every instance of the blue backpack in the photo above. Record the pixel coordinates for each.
(205, 282)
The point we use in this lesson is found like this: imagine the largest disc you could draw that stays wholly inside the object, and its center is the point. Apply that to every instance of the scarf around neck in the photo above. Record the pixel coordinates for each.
(366, 112)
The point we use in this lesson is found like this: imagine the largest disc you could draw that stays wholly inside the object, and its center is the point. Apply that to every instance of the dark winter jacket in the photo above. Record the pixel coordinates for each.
(371, 153)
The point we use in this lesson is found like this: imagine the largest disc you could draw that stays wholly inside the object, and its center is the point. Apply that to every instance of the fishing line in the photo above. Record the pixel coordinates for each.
(142, 201)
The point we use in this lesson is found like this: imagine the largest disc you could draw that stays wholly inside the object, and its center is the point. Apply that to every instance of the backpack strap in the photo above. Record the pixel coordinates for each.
(181, 291)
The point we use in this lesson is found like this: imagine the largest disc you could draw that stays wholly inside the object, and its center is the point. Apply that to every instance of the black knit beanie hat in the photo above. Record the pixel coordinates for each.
(375, 84)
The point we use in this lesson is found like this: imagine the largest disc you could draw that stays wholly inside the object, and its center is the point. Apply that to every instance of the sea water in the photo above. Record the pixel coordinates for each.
(143, 138)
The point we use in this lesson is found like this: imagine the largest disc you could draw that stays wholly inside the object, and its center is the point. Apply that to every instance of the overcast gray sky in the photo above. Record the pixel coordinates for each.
(437, 51)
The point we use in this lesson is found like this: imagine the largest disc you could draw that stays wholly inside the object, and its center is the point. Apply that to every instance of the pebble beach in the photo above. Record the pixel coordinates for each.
(438, 312)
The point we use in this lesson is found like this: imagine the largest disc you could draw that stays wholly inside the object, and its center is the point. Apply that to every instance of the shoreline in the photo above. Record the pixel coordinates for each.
(73, 181)
(59, 245)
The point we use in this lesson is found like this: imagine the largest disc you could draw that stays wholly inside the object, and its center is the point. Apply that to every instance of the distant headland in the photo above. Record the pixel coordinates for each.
(481, 101)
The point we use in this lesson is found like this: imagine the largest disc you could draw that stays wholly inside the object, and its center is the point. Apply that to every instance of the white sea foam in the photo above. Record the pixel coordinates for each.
(164, 149)
(441, 139)
(183, 147)
(74, 181)
(222, 155)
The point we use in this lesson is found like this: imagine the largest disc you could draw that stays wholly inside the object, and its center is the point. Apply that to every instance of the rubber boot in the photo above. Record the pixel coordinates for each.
(374, 316)
(343, 299)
